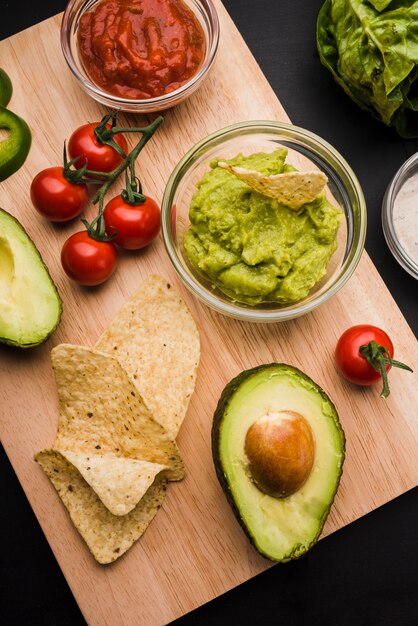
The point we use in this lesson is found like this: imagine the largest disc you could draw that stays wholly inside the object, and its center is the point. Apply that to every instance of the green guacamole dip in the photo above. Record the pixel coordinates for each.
(250, 246)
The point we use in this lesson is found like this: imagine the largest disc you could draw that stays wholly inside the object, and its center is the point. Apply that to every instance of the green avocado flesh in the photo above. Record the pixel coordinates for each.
(281, 529)
(30, 306)
(248, 245)
(6, 88)
(14, 148)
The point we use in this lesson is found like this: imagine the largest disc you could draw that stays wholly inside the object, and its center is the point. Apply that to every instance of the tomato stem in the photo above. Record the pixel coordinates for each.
(83, 175)
(105, 135)
(132, 194)
(96, 229)
(147, 133)
(378, 357)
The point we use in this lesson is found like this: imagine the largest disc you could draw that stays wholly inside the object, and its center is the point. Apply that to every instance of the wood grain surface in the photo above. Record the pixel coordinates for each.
(194, 550)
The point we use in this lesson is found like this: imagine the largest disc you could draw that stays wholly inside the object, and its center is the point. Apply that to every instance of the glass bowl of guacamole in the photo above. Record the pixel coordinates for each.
(247, 254)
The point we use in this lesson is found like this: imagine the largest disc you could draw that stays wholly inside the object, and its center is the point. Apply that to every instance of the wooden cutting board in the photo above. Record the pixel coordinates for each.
(194, 550)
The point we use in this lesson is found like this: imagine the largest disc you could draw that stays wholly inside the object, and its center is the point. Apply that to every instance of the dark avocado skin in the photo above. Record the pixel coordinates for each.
(10, 342)
(218, 417)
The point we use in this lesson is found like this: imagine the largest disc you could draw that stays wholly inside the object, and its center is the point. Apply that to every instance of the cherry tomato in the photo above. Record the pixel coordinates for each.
(364, 355)
(136, 224)
(87, 261)
(83, 143)
(54, 197)
(351, 363)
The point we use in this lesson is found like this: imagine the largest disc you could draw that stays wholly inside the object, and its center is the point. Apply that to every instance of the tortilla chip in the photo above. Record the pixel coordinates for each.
(112, 455)
(293, 189)
(102, 412)
(107, 536)
(155, 339)
(119, 482)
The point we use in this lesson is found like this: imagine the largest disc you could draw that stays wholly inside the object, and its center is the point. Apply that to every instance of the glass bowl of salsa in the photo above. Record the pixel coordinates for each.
(250, 256)
(140, 56)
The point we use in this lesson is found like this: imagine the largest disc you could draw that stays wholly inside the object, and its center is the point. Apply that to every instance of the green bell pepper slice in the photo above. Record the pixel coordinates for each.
(15, 146)
(6, 88)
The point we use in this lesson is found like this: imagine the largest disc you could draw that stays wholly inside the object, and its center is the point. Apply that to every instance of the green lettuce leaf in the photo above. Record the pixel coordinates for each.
(379, 5)
(371, 48)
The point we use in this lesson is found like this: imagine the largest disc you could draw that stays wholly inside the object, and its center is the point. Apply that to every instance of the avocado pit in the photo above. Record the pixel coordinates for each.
(280, 449)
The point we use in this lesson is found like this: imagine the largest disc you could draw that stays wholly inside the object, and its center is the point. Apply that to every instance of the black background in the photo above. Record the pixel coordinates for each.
(365, 574)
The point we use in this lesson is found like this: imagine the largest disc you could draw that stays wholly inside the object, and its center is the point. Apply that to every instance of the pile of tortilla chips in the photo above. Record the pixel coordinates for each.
(121, 406)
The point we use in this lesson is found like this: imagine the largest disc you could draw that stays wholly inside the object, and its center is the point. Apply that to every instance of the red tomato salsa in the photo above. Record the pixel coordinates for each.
(140, 49)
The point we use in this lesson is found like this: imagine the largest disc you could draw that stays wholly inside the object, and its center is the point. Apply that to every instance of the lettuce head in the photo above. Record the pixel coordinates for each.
(371, 48)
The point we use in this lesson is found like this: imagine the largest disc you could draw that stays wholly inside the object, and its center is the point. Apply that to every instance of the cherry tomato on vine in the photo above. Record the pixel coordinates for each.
(351, 363)
(364, 355)
(54, 197)
(100, 157)
(136, 224)
(87, 261)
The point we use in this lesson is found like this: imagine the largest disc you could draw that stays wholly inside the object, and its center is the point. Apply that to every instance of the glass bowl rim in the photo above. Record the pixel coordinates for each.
(249, 314)
(389, 232)
(144, 105)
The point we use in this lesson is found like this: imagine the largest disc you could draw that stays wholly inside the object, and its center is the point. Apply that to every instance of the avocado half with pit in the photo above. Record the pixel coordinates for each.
(278, 449)
(30, 306)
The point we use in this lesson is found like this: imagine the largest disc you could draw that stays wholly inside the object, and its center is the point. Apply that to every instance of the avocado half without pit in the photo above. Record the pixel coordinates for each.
(30, 306)
(278, 449)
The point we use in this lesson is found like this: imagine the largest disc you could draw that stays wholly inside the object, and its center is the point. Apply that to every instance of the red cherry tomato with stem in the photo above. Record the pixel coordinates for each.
(364, 355)
(87, 261)
(136, 224)
(100, 157)
(55, 198)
